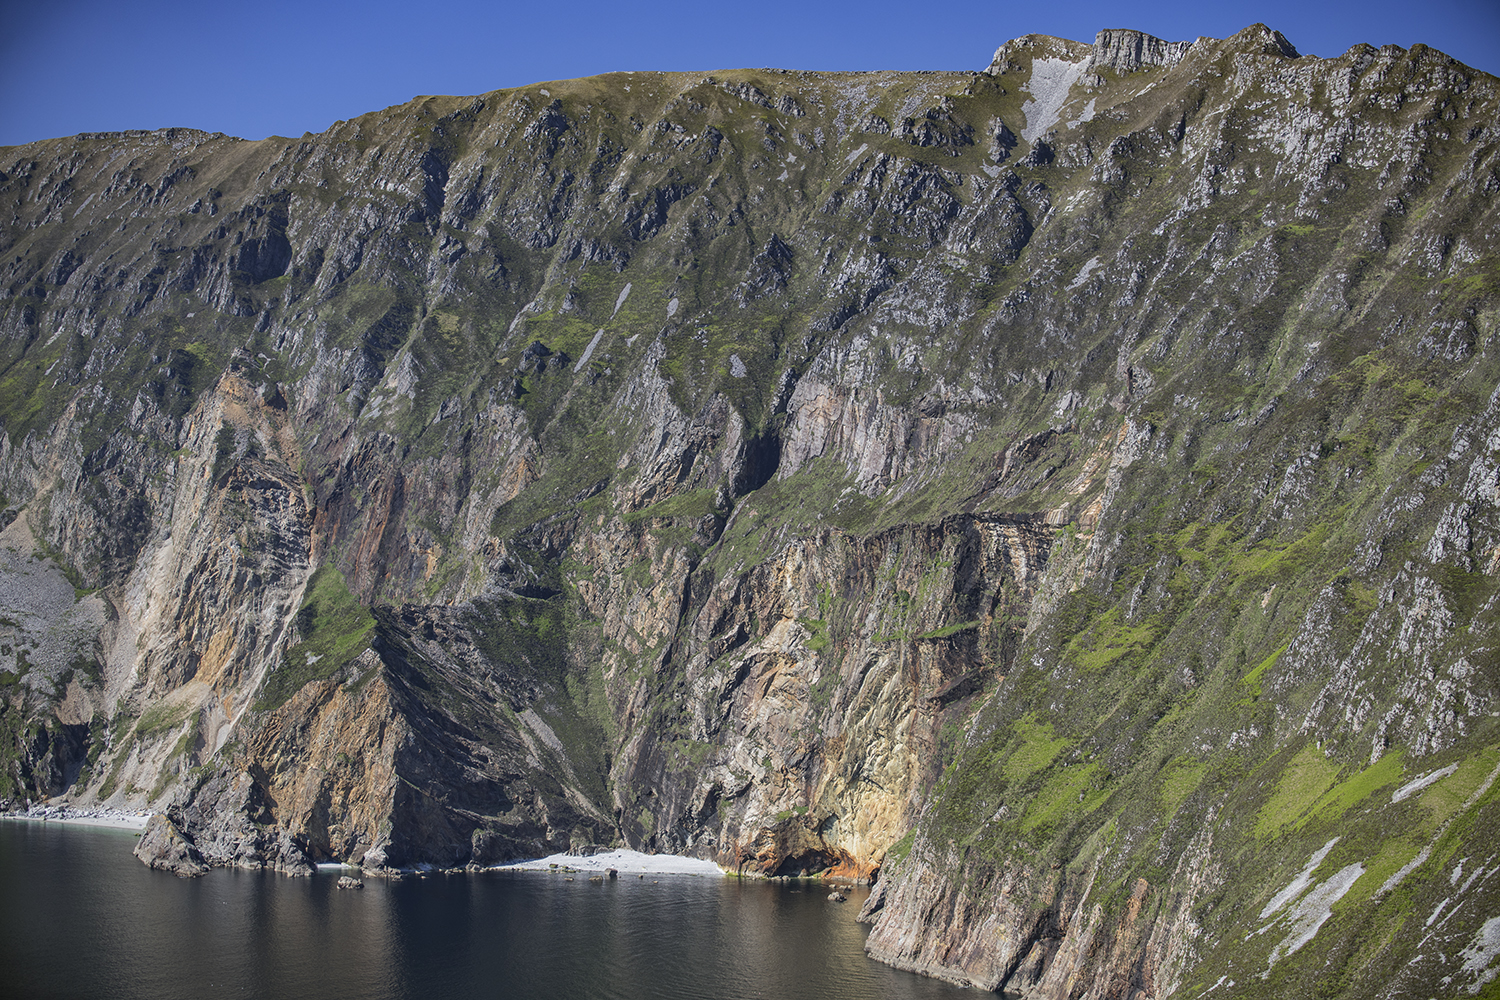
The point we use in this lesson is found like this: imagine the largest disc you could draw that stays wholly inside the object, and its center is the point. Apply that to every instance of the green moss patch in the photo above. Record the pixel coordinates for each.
(1035, 746)
(1069, 793)
(334, 629)
(1309, 789)
(161, 717)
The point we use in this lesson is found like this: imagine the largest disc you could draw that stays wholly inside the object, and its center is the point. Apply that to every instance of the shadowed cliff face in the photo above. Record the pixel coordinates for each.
(1067, 489)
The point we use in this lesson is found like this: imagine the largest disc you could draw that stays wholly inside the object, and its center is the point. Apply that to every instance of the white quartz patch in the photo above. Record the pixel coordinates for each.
(1300, 883)
(624, 292)
(588, 351)
(1405, 870)
(1084, 272)
(1304, 919)
(1223, 981)
(1479, 957)
(521, 315)
(672, 308)
(1426, 852)
(1051, 81)
(1414, 786)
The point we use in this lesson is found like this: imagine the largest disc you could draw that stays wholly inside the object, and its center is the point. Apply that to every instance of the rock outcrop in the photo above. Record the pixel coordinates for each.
(1064, 494)
(1126, 51)
(162, 845)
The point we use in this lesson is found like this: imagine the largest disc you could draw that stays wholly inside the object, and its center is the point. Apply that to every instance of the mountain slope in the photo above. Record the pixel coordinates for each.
(1068, 488)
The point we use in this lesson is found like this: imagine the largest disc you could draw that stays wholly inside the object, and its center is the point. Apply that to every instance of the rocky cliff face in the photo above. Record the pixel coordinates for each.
(1068, 489)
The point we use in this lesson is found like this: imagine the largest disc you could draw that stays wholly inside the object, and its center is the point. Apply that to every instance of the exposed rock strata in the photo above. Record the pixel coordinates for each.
(1067, 491)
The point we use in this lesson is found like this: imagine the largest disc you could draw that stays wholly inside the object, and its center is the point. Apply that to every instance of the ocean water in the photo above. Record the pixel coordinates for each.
(81, 918)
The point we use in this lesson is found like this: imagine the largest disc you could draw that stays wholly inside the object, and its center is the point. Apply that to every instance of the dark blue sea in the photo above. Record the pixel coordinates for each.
(81, 918)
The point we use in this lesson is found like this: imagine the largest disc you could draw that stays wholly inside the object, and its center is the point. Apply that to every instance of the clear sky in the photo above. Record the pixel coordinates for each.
(261, 67)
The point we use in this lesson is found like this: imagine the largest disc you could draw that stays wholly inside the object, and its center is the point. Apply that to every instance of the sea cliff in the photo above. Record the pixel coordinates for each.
(1065, 491)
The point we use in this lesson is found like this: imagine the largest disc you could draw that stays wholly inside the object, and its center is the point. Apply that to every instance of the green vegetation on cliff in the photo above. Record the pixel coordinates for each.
(1070, 486)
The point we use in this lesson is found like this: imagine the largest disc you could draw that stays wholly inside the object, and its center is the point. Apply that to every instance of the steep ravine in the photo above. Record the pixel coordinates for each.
(1065, 493)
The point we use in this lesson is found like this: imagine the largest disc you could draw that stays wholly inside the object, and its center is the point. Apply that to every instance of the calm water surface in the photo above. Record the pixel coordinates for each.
(80, 917)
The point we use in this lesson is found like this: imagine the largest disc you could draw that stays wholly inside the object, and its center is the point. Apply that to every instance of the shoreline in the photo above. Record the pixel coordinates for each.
(625, 862)
(622, 861)
(112, 819)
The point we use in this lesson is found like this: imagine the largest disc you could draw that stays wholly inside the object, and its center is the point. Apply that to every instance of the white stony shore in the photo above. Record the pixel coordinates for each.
(623, 861)
(118, 819)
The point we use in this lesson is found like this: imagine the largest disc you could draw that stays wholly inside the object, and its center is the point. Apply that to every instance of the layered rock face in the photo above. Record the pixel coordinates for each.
(1067, 490)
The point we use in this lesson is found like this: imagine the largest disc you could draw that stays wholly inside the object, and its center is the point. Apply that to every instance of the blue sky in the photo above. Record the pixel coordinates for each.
(262, 67)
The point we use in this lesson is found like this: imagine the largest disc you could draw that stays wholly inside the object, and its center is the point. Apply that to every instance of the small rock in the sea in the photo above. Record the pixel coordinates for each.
(348, 882)
(838, 897)
(613, 873)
